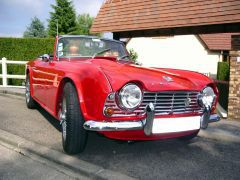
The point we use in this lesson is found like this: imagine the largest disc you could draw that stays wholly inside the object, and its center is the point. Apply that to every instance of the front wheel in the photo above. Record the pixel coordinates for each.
(74, 136)
(31, 103)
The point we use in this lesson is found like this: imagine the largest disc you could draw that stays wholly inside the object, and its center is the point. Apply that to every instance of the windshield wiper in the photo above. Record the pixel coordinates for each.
(123, 57)
(100, 52)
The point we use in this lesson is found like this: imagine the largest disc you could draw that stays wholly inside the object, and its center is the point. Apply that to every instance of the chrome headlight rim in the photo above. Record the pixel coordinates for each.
(204, 95)
(120, 102)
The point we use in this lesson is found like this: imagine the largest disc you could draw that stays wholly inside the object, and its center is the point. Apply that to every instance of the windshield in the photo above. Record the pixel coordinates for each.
(90, 47)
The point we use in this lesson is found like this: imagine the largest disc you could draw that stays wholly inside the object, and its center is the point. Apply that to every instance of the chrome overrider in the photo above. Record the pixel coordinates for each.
(145, 124)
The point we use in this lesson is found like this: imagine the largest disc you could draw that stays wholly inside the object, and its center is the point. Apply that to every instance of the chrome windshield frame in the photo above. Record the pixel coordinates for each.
(86, 37)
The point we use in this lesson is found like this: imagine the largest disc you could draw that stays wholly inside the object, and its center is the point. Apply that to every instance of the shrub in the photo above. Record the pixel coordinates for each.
(222, 84)
(223, 71)
(134, 56)
(0, 73)
(223, 89)
(23, 49)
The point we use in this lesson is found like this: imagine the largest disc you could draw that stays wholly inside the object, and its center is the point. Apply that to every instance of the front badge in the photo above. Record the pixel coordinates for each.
(168, 79)
(187, 102)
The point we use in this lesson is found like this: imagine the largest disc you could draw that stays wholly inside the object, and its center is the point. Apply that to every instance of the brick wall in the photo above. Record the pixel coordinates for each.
(234, 84)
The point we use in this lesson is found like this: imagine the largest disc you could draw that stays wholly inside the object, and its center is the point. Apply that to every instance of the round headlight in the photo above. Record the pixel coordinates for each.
(130, 96)
(207, 97)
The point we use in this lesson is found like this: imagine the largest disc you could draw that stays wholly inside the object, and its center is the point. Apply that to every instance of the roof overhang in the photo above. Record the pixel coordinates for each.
(135, 18)
(206, 29)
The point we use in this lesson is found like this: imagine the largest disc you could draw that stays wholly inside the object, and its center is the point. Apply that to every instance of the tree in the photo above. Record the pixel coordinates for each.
(84, 24)
(63, 14)
(35, 29)
(134, 56)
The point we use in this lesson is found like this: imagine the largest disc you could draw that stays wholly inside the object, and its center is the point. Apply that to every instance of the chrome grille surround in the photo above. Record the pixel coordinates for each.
(165, 103)
(172, 102)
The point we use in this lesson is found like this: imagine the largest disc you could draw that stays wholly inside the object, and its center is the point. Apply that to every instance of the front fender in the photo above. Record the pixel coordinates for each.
(92, 87)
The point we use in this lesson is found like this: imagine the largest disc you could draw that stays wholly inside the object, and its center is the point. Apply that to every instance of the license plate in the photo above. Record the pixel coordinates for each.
(169, 125)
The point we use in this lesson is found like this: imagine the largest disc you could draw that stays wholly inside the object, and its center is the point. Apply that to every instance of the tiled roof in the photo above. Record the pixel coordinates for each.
(113, 1)
(130, 15)
(220, 41)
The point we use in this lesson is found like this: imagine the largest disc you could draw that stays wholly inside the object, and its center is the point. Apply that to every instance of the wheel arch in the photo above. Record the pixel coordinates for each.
(76, 85)
(92, 88)
(28, 72)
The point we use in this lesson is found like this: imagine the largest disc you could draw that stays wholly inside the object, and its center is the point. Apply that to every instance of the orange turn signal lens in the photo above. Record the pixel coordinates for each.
(109, 111)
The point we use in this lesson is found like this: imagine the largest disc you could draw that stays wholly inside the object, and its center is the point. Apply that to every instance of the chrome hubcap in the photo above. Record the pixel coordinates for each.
(63, 114)
(27, 90)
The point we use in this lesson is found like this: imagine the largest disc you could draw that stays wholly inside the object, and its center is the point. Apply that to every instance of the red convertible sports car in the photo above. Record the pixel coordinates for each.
(90, 84)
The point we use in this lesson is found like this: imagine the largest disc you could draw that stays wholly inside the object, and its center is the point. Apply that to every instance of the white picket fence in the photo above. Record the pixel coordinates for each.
(5, 76)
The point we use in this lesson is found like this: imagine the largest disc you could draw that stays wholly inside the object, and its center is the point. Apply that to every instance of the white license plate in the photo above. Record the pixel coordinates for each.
(168, 125)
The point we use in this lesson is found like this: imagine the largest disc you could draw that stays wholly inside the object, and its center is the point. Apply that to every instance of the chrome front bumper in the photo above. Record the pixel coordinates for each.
(145, 124)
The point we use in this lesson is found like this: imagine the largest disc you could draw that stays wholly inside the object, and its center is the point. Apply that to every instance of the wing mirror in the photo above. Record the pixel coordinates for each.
(45, 57)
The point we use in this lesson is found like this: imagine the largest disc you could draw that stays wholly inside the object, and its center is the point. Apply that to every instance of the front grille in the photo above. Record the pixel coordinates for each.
(165, 103)
(172, 102)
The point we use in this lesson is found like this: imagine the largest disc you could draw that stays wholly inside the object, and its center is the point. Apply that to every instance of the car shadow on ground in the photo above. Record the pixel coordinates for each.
(99, 144)
(163, 159)
(54, 122)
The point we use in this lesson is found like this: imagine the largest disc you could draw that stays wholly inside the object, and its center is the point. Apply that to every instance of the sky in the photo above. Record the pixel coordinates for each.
(15, 15)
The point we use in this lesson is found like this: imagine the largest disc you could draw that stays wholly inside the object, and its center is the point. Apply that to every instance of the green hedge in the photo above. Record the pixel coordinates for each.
(23, 49)
(223, 89)
(223, 71)
(0, 73)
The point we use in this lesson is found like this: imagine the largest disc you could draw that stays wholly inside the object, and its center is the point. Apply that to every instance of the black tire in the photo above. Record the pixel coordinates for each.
(31, 103)
(189, 137)
(74, 136)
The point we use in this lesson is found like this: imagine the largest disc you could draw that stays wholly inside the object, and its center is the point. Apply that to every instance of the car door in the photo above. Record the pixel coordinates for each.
(53, 76)
(51, 73)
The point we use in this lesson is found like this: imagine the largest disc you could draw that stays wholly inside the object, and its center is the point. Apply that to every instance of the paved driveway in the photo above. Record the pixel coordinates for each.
(214, 154)
(15, 166)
